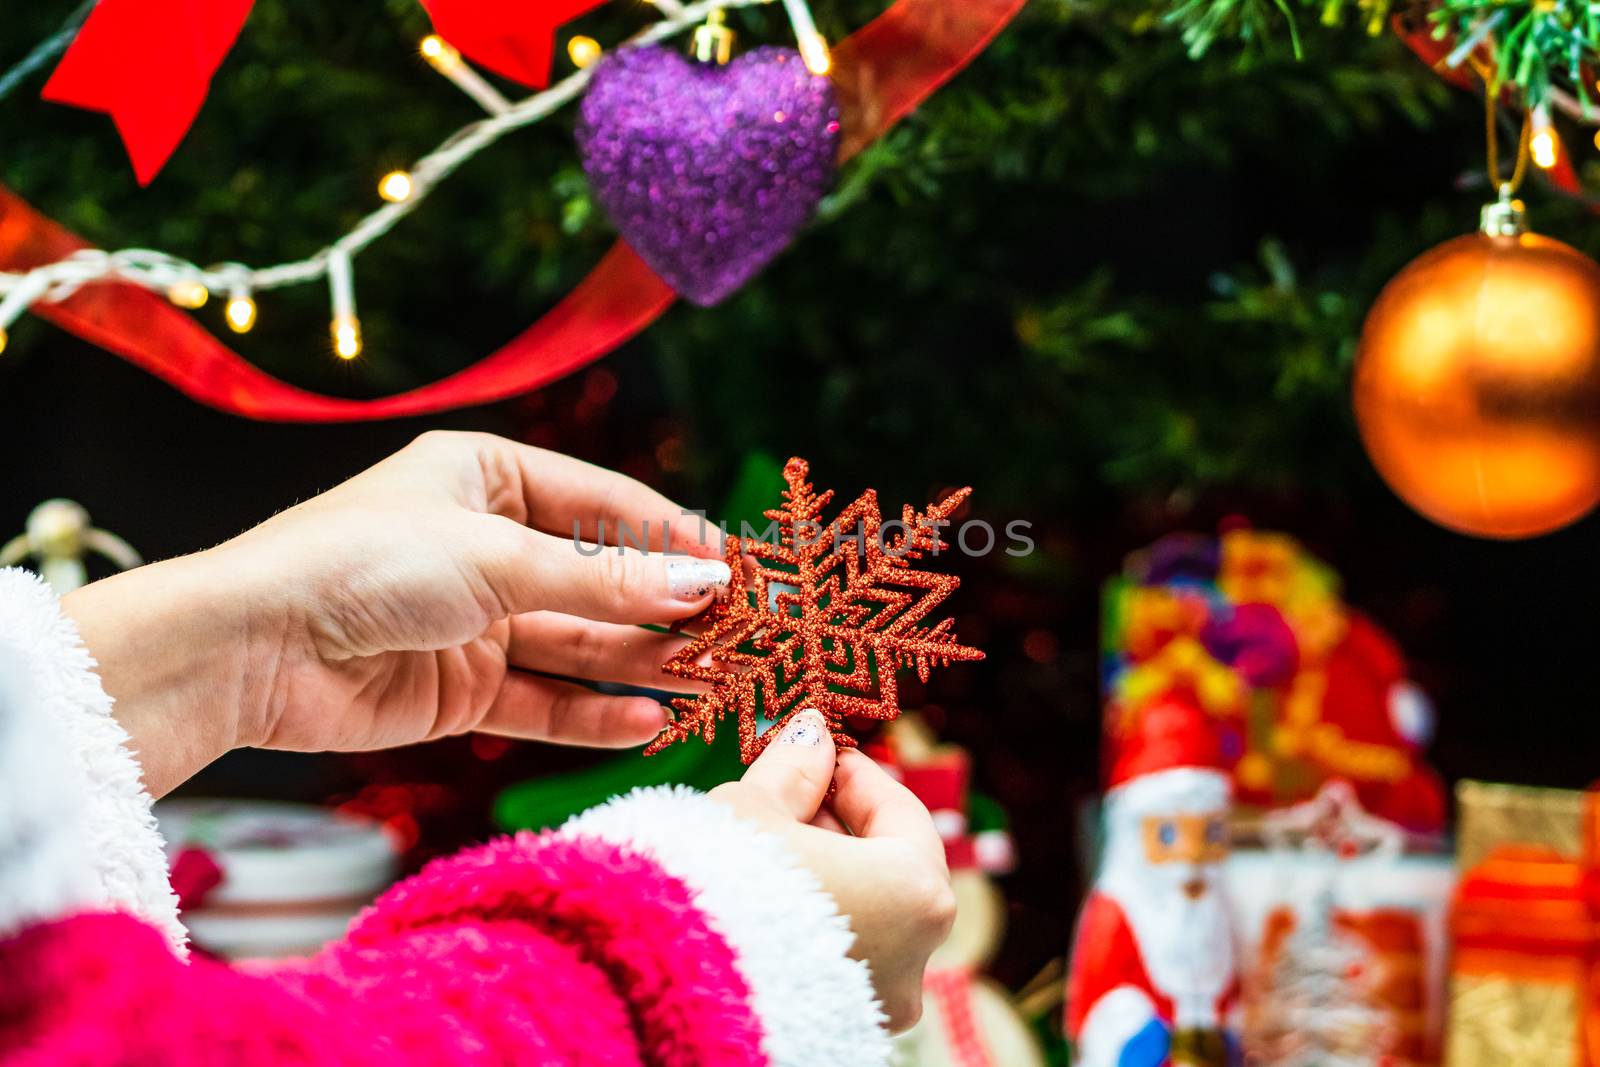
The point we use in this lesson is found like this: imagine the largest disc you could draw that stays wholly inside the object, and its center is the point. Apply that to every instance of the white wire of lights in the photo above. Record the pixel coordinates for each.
(190, 286)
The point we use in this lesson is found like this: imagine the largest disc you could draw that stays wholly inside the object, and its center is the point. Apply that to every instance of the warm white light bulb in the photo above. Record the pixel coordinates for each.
(3, 339)
(436, 51)
(395, 186)
(1543, 146)
(347, 337)
(583, 51)
(240, 312)
(447, 61)
(188, 293)
(814, 50)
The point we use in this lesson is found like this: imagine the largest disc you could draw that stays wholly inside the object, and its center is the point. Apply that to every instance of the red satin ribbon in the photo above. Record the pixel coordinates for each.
(883, 71)
(148, 64)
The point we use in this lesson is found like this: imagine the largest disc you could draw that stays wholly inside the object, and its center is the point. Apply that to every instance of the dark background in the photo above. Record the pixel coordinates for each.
(1113, 289)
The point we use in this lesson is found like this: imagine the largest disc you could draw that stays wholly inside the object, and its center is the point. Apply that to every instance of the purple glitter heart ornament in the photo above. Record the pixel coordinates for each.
(708, 171)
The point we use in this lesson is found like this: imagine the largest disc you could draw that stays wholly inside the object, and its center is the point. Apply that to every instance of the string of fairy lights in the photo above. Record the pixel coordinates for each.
(191, 286)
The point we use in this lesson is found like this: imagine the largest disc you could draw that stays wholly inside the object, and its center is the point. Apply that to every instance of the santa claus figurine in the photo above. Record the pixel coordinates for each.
(1153, 981)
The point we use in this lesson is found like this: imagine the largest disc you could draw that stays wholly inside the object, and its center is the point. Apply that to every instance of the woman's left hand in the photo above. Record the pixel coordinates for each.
(434, 594)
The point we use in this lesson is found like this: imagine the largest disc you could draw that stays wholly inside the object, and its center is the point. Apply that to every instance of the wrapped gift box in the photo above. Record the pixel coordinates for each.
(1343, 938)
(1524, 929)
(1343, 962)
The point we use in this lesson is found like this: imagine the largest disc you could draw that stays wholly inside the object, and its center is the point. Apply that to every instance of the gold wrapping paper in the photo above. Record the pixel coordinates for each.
(1512, 1022)
(1519, 977)
(1493, 815)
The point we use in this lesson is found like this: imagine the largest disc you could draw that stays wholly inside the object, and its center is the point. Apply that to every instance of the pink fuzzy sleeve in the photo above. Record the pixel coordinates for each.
(532, 949)
(613, 916)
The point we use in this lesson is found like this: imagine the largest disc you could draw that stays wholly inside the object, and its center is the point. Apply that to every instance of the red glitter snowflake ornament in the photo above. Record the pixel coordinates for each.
(832, 611)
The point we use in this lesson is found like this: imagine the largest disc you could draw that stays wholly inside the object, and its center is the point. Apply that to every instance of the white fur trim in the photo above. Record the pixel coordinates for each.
(1115, 1018)
(1181, 789)
(43, 866)
(69, 783)
(816, 1005)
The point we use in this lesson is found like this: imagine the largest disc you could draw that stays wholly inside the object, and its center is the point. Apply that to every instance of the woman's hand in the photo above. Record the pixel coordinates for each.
(414, 601)
(873, 847)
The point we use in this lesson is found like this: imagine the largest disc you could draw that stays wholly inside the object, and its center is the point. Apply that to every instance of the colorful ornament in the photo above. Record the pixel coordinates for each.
(148, 64)
(835, 609)
(513, 38)
(708, 171)
(1477, 384)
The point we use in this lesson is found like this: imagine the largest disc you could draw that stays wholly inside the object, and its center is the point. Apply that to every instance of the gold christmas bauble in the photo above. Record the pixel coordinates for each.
(1477, 384)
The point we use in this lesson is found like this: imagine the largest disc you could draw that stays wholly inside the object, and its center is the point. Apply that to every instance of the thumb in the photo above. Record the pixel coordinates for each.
(795, 770)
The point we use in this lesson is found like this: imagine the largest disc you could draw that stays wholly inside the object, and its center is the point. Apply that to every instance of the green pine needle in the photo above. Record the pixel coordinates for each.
(1548, 44)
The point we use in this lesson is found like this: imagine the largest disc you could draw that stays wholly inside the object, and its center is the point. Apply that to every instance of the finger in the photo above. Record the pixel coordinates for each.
(526, 570)
(570, 498)
(554, 643)
(873, 804)
(827, 820)
(545, 709)
(795, 769)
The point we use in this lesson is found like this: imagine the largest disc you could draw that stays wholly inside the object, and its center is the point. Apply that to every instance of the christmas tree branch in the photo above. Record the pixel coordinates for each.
(1539, 48)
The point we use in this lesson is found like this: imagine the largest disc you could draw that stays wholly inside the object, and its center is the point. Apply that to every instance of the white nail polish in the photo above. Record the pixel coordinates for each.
(696, 579)
(808, 728)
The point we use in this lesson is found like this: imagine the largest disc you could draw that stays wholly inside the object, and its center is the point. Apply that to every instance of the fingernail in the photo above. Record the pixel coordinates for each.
(696, 579)
(808, 728)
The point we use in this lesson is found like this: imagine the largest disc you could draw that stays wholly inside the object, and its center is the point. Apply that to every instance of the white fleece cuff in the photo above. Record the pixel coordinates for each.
(71, 800)
(815, 1004)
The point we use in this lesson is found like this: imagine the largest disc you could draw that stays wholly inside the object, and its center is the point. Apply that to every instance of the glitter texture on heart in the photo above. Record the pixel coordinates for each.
(708, 171)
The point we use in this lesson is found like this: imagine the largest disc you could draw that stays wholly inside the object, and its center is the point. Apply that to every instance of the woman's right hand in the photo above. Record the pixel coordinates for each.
(873, 847)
